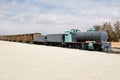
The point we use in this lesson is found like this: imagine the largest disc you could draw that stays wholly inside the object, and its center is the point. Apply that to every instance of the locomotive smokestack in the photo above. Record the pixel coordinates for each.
(99, 28)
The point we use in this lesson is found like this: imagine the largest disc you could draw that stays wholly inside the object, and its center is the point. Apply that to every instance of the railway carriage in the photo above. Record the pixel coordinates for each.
(28, 38)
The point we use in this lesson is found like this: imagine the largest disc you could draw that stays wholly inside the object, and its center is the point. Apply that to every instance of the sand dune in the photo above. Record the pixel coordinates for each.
(20, 61)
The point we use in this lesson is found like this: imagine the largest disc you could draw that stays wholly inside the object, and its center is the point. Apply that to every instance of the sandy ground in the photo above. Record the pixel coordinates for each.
(115, 44)
(20, 61)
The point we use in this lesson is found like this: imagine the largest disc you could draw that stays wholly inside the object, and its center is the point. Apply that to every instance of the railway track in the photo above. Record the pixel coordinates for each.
(115, 50)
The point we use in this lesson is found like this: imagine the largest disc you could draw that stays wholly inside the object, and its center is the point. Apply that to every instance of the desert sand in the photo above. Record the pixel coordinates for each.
(115, 44)
(21, 61)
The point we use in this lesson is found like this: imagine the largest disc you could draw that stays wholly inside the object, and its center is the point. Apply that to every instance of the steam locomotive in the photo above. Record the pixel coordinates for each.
(93, 40)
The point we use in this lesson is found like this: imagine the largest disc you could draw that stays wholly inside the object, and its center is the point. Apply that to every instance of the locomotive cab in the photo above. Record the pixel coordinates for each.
(68, 34)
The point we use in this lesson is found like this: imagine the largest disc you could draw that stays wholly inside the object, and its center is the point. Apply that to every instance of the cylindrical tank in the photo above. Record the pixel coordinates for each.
(99, 36)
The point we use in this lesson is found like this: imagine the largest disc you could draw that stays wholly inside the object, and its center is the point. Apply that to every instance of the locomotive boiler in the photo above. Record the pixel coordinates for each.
(98, 36)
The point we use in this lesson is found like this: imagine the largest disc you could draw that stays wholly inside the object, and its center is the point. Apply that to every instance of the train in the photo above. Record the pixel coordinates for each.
(74, 38)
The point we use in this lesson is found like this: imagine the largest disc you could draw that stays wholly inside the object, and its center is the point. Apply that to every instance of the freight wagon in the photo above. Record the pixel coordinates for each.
(28, 38)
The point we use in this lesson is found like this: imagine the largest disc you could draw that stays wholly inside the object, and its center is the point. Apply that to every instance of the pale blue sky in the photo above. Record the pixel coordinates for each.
(55, 16)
